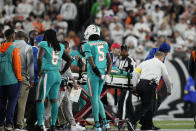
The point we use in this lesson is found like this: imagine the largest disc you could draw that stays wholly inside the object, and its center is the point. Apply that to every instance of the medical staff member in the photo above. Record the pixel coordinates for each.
(99, 66)
(115, 53)
(149, 72)
(164, 47)
(146, 121)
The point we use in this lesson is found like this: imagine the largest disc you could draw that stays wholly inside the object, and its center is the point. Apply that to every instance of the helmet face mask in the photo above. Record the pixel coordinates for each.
(91, 30)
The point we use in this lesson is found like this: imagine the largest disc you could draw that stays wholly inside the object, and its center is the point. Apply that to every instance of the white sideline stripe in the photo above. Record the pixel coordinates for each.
(38, 88)
(89, 86)
(175, 124)
(175, 119)
(45, 86)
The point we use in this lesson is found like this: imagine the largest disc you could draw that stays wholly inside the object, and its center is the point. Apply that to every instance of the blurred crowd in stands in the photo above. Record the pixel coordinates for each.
(139, 24)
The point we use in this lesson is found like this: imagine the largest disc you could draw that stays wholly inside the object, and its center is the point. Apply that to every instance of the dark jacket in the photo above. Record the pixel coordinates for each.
(191, 64)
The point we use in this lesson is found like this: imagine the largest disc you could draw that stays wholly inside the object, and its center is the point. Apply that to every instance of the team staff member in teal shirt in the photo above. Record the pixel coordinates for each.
(98, 59)
(48, 63)
(10, 80)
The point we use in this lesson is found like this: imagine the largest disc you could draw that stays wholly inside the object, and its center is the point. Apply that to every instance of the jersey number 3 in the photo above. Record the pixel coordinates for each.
(55, 57)
(101, 53)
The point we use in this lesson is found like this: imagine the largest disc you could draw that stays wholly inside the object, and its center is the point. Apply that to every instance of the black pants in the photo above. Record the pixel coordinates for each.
(8, 100)
(146, 90)
(147, 120)
(125, 101)
(31, 108)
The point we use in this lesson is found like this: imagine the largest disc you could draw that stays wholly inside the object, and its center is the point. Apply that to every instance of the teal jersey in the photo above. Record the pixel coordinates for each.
(97, 50)
(51, 59)
(73, 54)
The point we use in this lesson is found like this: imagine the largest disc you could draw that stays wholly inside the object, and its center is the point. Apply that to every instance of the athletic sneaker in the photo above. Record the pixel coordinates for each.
(31, 128)
(97, 129)
(155, 128)
(18, 128)
(39, 128)
(105, 127)
(8, 127)
(52, 128)
(77, 127)
(61, 127)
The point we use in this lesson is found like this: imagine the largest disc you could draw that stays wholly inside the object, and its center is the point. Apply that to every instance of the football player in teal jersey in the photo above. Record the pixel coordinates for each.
(78, 64)
(99, 66)
(48, 62)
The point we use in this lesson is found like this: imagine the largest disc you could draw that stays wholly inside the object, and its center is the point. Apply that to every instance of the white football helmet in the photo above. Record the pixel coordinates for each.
(91, 30)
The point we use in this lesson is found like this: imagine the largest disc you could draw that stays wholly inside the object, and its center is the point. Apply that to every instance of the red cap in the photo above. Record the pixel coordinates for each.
(115, 45)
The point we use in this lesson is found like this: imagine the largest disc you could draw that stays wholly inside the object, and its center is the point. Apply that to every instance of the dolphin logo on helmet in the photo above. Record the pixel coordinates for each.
(91, 30)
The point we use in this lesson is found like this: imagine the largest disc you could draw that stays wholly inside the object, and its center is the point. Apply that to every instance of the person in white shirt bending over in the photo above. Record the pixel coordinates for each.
(149, 72)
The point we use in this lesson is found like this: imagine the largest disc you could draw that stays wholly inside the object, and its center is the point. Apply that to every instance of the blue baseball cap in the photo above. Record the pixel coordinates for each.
(38, 39)
(164, 47)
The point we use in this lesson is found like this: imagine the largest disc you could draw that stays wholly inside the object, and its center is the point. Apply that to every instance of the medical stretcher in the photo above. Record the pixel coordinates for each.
(116, 82)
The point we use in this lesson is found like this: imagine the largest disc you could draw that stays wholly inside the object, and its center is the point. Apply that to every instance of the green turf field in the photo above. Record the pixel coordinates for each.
(166, 124)
(173, 124)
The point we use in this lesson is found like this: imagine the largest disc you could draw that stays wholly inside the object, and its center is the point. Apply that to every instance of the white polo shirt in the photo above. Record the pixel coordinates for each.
(152, 69)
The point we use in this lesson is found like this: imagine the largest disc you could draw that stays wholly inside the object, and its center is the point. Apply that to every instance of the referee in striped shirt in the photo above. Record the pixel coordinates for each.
(149, 72)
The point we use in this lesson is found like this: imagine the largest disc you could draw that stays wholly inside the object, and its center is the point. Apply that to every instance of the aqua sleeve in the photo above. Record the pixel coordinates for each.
(106, 47)
(72, 54)
(62, 47)
(75, 62)
(43, 44)
(87, 50)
